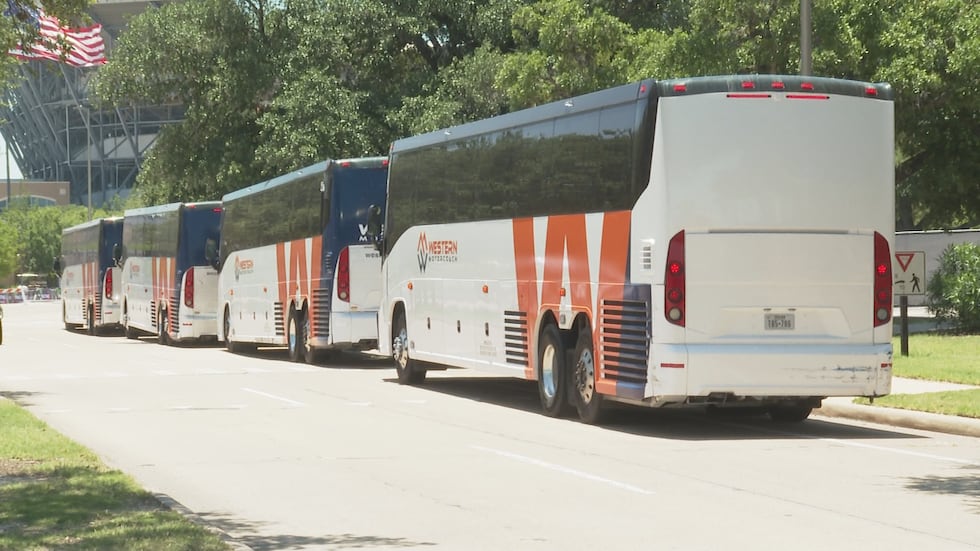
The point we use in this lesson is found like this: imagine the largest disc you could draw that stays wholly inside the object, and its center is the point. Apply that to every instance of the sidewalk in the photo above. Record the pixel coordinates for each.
(846, 408)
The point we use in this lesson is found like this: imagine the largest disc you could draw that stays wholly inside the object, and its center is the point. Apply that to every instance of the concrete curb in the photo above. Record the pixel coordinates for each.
(177, 507)
(949, 424)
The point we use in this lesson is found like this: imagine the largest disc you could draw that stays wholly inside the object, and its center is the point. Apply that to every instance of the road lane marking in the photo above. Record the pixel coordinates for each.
(274, 397)
(900, 451)
(565, 470)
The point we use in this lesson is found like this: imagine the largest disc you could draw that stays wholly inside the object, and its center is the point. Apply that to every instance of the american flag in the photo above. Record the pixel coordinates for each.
(86, 48)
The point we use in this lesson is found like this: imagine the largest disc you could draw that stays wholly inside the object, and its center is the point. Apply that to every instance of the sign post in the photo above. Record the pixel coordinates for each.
(909, 269)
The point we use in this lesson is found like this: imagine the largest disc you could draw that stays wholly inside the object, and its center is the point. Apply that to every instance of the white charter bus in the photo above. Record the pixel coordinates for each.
(296, 267)
(169, 289)
(716, 241)
(90, 279)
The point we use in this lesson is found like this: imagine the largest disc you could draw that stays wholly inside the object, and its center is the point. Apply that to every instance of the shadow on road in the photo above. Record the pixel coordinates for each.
(966, 486)
(692, 423)
(230, 525)
(21, 398)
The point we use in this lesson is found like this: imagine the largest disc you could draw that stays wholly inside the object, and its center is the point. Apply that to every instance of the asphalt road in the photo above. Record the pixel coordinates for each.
(287, 456)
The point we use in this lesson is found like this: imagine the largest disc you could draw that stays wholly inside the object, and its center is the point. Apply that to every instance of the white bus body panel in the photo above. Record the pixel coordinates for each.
(356, 320)
(201, 321)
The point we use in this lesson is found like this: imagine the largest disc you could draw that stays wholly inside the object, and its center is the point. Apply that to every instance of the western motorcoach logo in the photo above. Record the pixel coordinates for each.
(445, 250)
(243, 267)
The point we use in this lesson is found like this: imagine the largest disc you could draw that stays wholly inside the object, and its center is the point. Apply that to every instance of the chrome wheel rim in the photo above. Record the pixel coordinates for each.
(548, 381)
(585, 375)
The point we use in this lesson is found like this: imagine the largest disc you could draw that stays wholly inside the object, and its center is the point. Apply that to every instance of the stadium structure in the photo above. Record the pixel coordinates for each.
(54, 133)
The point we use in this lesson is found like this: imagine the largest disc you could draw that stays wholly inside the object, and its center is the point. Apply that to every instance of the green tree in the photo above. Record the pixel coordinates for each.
(564, 49)
(8, 251)
(930, 52)
(34, 235)
(954, 288)
(211, 57)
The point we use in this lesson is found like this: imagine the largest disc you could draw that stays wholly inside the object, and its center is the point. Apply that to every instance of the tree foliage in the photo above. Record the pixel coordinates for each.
(30, 236)
(954, 288)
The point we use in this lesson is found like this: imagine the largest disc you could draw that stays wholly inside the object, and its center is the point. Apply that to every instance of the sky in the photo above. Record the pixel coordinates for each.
(15, 173)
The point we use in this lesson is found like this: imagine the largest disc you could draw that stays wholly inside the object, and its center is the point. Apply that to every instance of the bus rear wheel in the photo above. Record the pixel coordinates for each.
(164, 328)
(588, 401)
(91, 319)
(408, 369)
(295, 338)
(552, 372)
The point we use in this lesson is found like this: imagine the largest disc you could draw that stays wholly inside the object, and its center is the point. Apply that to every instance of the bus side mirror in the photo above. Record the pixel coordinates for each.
(117, 253)
(211, 252)
(374, 227)
(57, 266)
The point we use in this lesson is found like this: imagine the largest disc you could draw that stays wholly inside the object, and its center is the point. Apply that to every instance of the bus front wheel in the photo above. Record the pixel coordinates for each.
(552, 372)
(230, 345)
(409, 371)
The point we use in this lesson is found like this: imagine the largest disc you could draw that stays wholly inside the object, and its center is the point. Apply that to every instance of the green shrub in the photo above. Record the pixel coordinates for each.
(954, 289)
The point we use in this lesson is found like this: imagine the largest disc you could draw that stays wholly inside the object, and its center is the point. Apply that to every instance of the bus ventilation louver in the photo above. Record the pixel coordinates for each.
(280, 320)
(174, 314)
(321, 312)
(515, 337)
(624, 341)
(153, 314)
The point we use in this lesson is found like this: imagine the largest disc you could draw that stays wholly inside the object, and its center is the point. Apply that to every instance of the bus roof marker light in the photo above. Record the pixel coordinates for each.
(748, 85)
(871, 91)
(680, 87)
(643, 88)
(778, 85)
(808, 86)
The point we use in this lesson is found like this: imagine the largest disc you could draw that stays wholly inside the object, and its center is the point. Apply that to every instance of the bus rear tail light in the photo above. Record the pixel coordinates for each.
(883, 281)
(108, 283)
(343, 276)
(189, 288)
(674, 281)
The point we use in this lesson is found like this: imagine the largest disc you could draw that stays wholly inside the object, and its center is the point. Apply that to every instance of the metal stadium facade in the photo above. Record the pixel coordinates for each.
(54, 133)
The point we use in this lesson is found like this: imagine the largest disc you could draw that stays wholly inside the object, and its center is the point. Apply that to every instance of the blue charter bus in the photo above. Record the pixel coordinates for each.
(169, 289)
(296, 266)
(89, 275)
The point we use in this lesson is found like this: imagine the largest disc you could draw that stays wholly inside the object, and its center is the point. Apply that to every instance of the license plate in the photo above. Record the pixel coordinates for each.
(780, 321)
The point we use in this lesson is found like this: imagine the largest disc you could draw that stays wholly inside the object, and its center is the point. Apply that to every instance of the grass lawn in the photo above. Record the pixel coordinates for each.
(55, 494)
(938, 357)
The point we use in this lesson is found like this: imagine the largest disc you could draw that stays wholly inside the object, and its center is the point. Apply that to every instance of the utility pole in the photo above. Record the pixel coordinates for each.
(88, 154)
(806, 48)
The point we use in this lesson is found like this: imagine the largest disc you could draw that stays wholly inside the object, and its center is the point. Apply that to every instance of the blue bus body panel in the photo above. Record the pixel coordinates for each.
(199, 222)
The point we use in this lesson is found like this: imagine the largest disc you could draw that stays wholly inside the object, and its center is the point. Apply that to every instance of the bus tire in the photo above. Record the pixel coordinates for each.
(64, 317)
(295, 340)
(409, 371)
(230, 345)
(789, 413)
(91, 319)
(163, 328)
(552, 372)
(588, 401)
(310, 355)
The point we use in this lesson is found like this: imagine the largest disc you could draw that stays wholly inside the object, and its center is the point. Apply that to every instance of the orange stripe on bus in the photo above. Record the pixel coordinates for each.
(527, 288)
